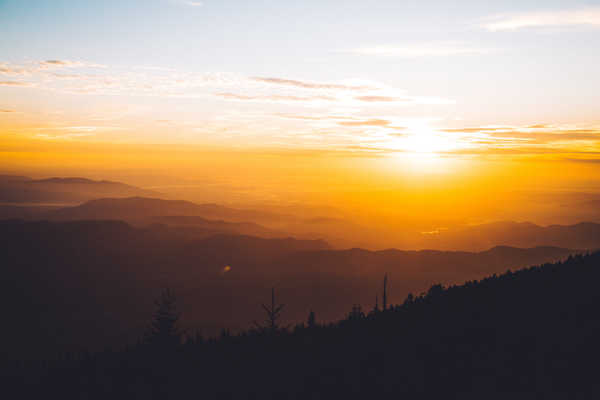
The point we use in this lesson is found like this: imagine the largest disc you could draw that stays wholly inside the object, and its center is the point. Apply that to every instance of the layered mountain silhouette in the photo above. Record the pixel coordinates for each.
(21, 189)
(585, 235)
(68, 278)
(206, 219)
(143, 207)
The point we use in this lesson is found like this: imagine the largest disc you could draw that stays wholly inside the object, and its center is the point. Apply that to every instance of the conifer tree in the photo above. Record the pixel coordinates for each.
(163, 330)
(311, 322)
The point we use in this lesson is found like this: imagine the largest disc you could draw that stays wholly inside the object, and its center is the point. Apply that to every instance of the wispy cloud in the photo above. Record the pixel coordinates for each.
(274, 97)
(440, 49)
(64, 136)
(584, 160)
(369, 122)
(33, 68)
(69, 64)
(309, 85)
(529, 139)
(16, 83)
(7, 69)
(190, 3)
(589, 16)
(84, 77)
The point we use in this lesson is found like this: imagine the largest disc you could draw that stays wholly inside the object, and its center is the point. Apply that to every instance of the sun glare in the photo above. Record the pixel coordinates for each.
(421, 150)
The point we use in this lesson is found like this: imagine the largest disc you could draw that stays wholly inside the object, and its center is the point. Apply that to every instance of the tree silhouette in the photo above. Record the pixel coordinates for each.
(501, 335)
(356, 313)
(273, 314)
(385, 279)
(311, 322)
(163, 330)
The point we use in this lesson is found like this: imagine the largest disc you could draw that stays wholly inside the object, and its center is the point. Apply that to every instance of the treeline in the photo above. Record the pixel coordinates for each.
(533, 332)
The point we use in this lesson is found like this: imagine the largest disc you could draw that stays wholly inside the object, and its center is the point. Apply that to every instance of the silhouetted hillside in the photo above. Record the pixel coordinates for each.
(526, 334)
(585, 235)
(77, 181)
(69, 277)
(25, 212)
(16, 189)
(201, 227)
(141, 208)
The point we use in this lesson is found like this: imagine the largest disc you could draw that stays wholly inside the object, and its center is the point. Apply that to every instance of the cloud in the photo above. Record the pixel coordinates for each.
(15, 83)
(65, 136)
(403, 99)
(442, 49)
(545, 137)
(41, 67)
(537, 133)
(476, 129)
(84, 77)
(534, 139)
(584, 160)
(308, 85)
(273, 97)
(68, 64)
(7, 111)
(378, 99)
(56, 62)
(589, 16)
(11, 70)
(369, 122)
(190, 3)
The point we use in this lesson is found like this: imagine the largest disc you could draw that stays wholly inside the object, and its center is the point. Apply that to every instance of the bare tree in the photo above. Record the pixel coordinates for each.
(385, 280)
(273, 314)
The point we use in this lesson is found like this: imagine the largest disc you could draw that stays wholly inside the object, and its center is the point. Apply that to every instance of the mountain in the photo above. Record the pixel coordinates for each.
(68, 278)
(20, 189)
(199, 226)
(585, 235)
(77, 181)
(25, 212)
(136, 208)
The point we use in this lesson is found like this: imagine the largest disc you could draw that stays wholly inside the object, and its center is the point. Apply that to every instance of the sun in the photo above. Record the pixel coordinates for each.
(423, 140)
(422, 149)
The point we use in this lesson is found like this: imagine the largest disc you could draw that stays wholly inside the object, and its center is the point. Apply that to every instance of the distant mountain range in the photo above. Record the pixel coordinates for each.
(142, 208)
(472, 238)
(22, 189)
(78, 275)
(202, 220)
(585, 235)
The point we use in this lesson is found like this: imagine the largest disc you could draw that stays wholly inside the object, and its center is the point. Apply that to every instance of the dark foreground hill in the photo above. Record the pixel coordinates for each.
(65, 279)
(527, 334)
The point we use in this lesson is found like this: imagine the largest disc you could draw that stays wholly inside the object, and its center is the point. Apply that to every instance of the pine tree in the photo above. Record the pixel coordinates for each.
(163, 330)
(311, 322)
(356, 312)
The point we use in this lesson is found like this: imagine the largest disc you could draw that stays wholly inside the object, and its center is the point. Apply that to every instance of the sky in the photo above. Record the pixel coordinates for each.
(388, 87)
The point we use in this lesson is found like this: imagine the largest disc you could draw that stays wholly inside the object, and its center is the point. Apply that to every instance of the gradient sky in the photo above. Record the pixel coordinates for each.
(421, 79)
